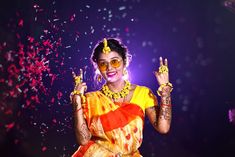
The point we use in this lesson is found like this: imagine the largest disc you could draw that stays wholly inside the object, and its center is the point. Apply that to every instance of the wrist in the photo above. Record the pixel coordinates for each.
(78, 95)
(77, 110)
(76, 106)
(165, 89)
(166, 105)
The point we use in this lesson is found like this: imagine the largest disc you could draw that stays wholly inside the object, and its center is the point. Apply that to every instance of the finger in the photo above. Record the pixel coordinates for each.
(157, 73)
(166, 62)
(160, 60)
(85, 88)
(83, 83)
(73, 74)
(81, 74)
(80, 85)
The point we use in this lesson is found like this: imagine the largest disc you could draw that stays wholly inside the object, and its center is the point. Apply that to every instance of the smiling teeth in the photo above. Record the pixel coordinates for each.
(111, 74)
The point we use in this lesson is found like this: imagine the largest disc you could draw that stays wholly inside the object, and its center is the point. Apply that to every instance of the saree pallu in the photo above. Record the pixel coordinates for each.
(116, 128)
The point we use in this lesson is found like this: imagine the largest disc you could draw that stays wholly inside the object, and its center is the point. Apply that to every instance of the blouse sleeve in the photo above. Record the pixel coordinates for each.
(151, 99)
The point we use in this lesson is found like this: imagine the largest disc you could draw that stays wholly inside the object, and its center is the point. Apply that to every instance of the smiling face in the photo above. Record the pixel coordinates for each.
(111, 66)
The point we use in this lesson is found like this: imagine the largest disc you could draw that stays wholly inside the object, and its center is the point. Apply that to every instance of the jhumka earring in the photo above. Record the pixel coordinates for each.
(124, 72)
(99, 78)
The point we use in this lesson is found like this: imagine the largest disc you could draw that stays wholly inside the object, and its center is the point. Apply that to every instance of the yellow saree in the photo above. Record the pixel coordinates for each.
(116, 128)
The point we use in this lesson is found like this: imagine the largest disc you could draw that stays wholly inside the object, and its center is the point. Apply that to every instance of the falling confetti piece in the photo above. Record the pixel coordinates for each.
(9, 126)
(44, 148)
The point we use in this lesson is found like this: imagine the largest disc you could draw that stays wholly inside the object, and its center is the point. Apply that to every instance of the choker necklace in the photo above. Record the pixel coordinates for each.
(124, 92)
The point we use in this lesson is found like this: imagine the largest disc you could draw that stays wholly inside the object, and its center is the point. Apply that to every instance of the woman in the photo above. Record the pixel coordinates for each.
(109, 122)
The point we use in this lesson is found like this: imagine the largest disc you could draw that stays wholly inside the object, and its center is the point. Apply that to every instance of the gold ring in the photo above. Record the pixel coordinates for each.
(163, 69)
(77, 80)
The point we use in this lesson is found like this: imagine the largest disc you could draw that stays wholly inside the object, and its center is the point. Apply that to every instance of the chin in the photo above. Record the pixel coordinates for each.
(111, 80)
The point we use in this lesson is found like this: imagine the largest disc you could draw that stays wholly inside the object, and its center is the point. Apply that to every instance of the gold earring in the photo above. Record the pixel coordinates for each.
(124, 72)
(99, 78)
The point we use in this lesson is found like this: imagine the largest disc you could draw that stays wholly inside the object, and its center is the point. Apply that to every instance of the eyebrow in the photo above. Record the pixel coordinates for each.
(111, 58)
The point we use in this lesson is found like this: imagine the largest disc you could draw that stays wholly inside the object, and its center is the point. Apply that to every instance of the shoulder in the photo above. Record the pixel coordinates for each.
(142, 88)
(92, 93)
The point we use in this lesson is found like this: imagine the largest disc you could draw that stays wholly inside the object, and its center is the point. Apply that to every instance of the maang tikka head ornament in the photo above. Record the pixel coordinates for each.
(106, 48)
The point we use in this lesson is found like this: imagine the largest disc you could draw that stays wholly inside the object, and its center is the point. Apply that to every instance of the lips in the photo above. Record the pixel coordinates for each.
(111, 74)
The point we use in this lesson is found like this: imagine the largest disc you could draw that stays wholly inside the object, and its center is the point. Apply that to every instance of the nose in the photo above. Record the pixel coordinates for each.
(109, 66)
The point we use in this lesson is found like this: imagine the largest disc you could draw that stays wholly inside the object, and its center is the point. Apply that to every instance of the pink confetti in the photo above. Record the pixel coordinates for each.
(29, 72)
(53, 77)
(9, 126)
(8, 112)
(20, 23)
(72, 17)
(9, 56)
(52, 100)
(44, 148)
(59, 95)
(31, 39)
(54, 120)
(47, 43)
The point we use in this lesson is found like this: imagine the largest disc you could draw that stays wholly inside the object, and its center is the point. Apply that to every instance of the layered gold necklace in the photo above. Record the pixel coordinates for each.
(116, 95)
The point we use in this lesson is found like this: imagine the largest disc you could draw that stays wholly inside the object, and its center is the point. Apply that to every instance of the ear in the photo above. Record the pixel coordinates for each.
(128, 60)
(125, 63)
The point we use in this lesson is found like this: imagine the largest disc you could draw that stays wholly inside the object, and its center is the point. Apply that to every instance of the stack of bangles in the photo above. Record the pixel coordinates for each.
(162, 86)
(77, 92)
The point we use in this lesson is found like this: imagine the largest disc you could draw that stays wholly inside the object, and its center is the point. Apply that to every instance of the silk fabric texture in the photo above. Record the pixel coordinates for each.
(116, 128)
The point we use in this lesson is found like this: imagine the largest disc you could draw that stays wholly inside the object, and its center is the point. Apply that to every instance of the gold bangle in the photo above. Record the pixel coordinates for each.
(162, 86)
(77, 92)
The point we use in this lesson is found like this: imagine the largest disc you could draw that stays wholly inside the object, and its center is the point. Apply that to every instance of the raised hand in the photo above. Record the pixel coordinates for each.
(162, 74)
(80, 87)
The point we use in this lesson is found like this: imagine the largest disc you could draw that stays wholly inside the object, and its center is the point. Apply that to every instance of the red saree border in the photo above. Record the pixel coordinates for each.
(121, 116)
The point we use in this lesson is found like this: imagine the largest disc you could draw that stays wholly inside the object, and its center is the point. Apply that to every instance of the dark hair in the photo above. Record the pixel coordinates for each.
(115, 45)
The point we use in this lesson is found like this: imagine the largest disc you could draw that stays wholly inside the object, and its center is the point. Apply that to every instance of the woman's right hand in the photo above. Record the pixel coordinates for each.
(82, 87)
(79, 86)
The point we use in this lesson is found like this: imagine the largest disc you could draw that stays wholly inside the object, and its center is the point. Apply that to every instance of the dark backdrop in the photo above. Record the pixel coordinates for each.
(197, 37)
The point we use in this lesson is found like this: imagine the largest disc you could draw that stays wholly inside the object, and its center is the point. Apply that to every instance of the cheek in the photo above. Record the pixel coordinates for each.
(103, 73)
(120, 70)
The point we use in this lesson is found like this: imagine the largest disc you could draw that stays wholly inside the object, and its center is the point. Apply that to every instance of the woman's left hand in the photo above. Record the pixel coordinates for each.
(162, 74)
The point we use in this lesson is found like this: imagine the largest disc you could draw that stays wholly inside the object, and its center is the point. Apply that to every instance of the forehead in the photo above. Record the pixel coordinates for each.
(109, 56)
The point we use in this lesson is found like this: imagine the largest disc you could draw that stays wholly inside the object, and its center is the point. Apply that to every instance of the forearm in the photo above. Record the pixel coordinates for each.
(82, 132)
(165, 112)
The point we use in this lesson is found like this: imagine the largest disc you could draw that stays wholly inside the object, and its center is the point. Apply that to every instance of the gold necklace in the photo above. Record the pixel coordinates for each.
(124, 92)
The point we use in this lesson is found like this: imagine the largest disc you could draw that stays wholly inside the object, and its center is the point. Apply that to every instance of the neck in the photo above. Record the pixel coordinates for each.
(116, 86)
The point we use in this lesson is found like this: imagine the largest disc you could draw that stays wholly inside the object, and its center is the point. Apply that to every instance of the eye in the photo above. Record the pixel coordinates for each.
(101, 63)
(115, 62)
